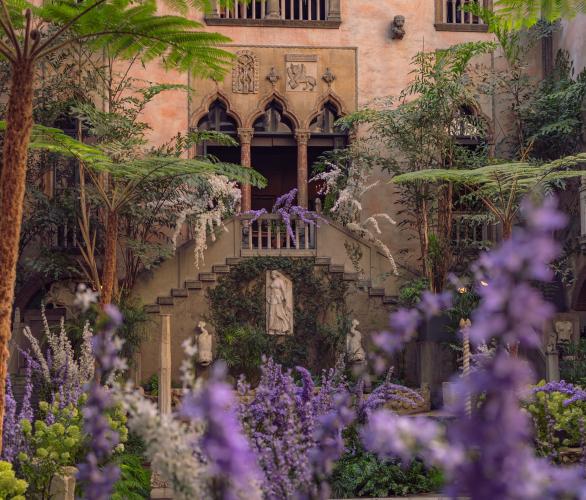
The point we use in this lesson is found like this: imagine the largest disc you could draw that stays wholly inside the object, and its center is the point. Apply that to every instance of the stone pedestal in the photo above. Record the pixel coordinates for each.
(552, 366)
(63, 485)
(165, 368)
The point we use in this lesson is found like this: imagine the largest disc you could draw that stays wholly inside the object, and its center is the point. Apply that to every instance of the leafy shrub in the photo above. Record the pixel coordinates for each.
(242, 348)
(10, 487)
(410, 293)
(135, 480)
(362, 474)
(573, 362)
(558, 422)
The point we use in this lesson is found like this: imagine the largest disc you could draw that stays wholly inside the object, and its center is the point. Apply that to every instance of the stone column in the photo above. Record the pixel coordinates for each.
(165, 369)
(274, 11)
(245, 135)
(302, 137)
(334, 13)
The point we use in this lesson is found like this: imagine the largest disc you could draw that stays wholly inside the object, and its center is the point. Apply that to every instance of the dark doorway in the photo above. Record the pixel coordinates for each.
(279, 165)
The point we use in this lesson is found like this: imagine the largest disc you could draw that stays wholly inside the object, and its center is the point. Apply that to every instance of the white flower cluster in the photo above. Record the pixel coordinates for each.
(347, 208)
(79, 371)
(169, 445)
(206, 205)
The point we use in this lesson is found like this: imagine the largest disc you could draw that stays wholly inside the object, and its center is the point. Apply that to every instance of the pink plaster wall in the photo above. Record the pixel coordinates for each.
(572, 38)
(383, 64)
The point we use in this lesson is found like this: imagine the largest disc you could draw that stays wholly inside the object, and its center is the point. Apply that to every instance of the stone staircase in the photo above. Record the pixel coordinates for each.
(207, 280)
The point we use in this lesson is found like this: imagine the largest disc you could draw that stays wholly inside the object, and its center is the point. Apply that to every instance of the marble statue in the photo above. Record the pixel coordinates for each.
(204, 345)
(279, 291)
(354, 351)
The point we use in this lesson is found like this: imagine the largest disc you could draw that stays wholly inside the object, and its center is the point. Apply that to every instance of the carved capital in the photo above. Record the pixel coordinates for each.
(302, 137)
(245, 135)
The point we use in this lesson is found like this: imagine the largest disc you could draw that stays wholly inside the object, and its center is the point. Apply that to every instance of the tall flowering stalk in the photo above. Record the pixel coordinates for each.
(488, 454)
(97, 475)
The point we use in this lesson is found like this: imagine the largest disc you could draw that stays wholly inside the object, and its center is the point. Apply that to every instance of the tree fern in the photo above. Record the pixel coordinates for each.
(525, 13)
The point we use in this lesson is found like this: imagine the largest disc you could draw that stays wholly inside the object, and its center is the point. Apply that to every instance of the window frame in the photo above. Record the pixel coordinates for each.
(442, 25)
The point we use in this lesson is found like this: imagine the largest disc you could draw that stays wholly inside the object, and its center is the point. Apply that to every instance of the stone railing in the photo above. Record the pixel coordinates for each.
(268, 235)
(310, 13)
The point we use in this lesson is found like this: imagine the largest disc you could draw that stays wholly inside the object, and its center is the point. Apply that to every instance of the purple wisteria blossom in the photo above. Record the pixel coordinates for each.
(223, 442)
(99, 478)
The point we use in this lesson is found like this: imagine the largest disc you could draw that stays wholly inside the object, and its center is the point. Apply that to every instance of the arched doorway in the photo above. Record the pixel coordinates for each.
(218, 119)
(274, 155)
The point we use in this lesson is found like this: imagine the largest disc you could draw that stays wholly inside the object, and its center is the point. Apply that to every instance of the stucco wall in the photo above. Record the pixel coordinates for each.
(572, 37)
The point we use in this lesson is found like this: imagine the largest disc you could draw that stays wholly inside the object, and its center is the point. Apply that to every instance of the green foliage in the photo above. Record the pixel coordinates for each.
(321, 318)
(11, 488)
(242, 348)
(556, 425)
(526, 13)
(554, 117)
(135, 480)
(51, 447)
(362, 474)
(152, 385)
(573, 362)
(410, 293)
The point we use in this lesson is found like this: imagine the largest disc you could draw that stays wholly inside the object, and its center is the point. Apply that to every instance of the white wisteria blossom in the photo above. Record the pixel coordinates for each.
(206, 204)
(348, 190)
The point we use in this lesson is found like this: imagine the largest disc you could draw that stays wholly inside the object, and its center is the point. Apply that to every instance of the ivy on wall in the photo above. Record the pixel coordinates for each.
(238, 314)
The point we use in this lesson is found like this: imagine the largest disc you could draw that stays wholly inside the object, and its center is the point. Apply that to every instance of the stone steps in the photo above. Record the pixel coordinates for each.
(210, 279)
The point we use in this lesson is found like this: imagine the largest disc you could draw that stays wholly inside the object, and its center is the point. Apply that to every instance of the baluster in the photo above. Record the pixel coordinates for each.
(301, 10)
(318, 10)
(236, 9)
(454, 12)
(287, 239)
(269, 224)
(263, 10)
(260, 224)
(253, 13)
(250, 224)
(283, 12)
(326, 8)
(306, 227)
(297, 234)
(309, 7)
(279, 235)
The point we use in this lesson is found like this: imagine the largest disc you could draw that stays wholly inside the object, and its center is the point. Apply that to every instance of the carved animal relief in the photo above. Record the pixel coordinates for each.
(298, 78)
(245, 73)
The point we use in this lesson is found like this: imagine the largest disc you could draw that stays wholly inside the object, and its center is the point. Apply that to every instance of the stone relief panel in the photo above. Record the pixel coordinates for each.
(301, 72)
(245, 73)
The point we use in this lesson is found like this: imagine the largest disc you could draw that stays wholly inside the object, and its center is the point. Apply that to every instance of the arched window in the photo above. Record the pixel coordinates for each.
(273, 121)
(218, 119)
(325, 121)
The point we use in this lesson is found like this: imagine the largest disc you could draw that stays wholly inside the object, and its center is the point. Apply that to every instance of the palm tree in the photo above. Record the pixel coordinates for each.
(29, 33)
(525, 13)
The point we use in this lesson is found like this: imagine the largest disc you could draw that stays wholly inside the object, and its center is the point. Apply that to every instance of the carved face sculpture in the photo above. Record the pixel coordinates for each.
(399, 21)
(564, 330)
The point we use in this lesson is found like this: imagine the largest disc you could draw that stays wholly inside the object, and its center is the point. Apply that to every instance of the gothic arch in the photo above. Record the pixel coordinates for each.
(207, 102)
(264, 103)
(475, 107)
(328, 97)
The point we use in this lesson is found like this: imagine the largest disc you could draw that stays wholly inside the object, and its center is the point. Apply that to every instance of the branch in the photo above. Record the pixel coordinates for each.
(7, 53)
(9, 29)
(69, 24)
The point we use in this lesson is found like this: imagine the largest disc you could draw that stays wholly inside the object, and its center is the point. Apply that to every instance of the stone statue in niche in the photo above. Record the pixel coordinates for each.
(355, 353)
(204, 345)
(245, 73)
(298, 78)
(398, 28)
(279, 293)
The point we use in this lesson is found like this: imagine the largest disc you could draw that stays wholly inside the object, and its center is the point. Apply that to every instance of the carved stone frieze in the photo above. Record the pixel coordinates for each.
(273, 76)
(245, 78)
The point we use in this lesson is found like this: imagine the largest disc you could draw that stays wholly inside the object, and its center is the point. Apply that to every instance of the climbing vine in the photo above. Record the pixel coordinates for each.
(238, 314)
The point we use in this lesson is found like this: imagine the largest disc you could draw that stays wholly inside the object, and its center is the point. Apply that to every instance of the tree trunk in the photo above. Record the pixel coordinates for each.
(507, 229)
(19, 122)
(109, 271)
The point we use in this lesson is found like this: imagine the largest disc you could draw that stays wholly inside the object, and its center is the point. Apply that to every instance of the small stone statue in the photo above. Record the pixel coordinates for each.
(204, 345)
(354, 351)
(398, 28)
(279, 304)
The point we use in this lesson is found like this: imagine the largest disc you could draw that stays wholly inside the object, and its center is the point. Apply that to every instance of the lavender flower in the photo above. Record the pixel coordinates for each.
(98, 478)
(227, 449)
